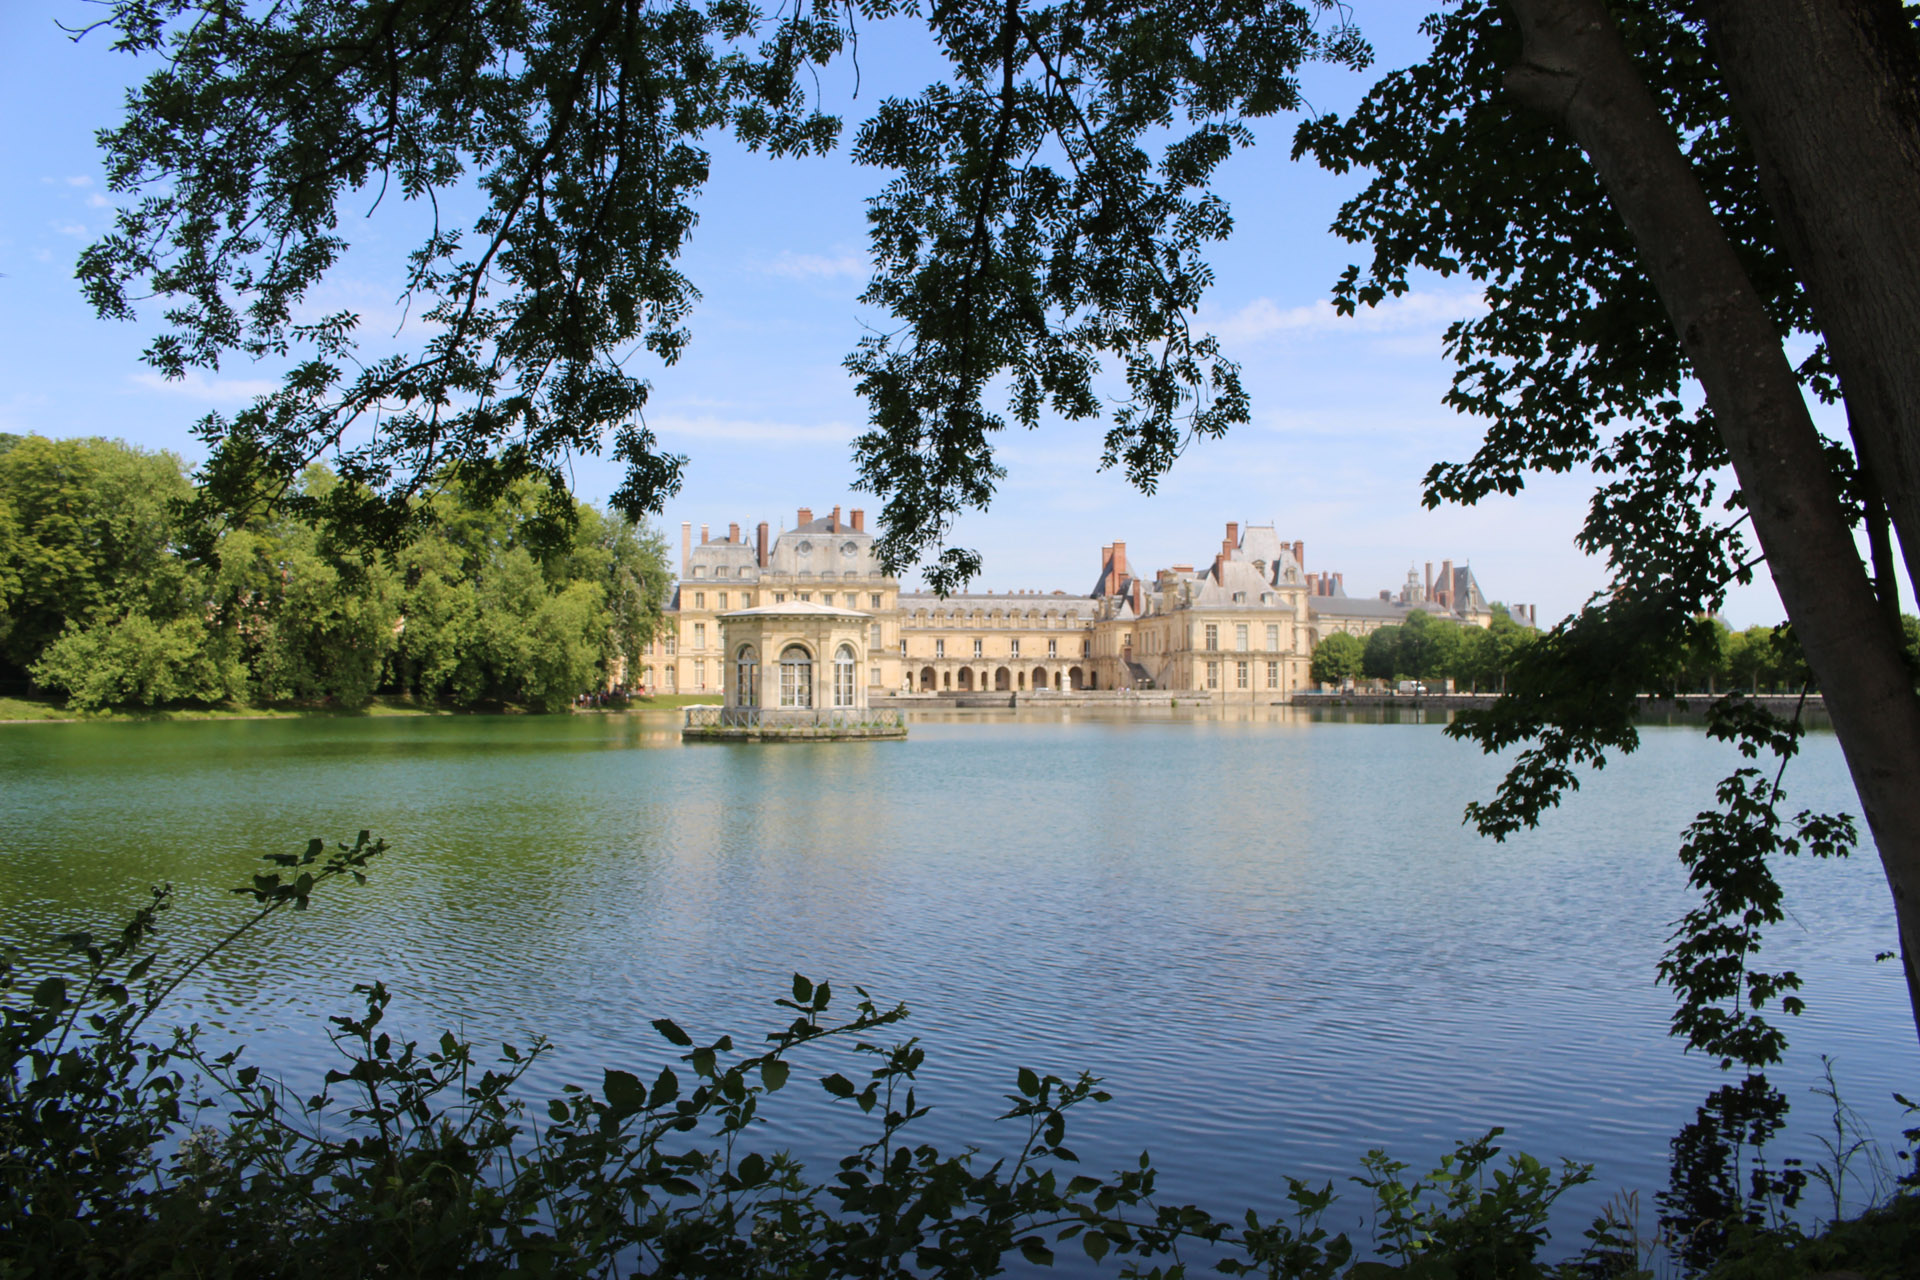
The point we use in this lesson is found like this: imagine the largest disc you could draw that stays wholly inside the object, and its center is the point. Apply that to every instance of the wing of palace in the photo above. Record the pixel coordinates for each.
(1243, 626)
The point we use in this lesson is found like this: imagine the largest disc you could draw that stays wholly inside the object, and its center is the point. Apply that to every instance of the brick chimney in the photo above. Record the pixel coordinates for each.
(761, 551)
(733, 533)
(1105, 584)
(686, 547)
(1446, 583)
(1137, 608)
(859, 520)
(806, 517)
(1300, 555)
(1429, 579)
(1339, 582)
(835, 526)
(1233, 535)
(1119, 563)
(703, 535)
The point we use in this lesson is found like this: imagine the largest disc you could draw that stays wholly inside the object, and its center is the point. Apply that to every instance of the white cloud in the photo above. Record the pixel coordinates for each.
(70, 229)
(1412, 311)
(98, 201)
(198, 386)
(814, 266)
(81, 181)
(755, 430)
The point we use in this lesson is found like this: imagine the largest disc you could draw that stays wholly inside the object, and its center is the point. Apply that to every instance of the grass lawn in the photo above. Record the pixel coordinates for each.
(51, 709)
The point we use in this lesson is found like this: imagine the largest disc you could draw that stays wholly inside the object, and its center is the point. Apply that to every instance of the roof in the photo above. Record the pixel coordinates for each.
(794, 608)
(1355, 607)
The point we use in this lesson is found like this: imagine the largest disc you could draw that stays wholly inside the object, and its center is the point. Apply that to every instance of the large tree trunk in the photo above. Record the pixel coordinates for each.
(1828, 92)
(1575, 68)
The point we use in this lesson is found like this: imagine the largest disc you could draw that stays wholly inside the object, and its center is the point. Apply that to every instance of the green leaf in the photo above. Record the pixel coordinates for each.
(671, 1032)
(802, 989)
(624, 1092)
(837, 1085)
(1035, 1250)
(51, 993)
(1029, 1082)
(773, 1074)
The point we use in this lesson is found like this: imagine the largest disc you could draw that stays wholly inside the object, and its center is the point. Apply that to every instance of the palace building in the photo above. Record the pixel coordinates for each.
(1243, 627)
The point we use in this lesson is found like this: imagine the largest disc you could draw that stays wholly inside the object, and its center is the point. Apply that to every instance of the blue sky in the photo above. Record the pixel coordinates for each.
(1347, 414)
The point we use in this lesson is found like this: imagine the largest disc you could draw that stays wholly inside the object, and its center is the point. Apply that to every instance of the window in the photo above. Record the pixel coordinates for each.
(723, 599)
(1053, 648)
(722, 572)
(1213, 675)
(672, 638)
(746, 677)
(673, 680)
(1213, 635)
(939, 648)
(779, 597)
(873, 676)
(699, 599)
(1273, 675)
(903, 646)
(1239, 597)
(1015, 642)
(804, 595)
(873, 601)
(843, 676)
(700, 674)
(699, 571)
(979, 646)
(1086, 648)
(699, 635)
(796, 677)
(1273, 636)
(746, 599)
(1240, 636)
(827, 598)
(873, 638)
(1240, 675)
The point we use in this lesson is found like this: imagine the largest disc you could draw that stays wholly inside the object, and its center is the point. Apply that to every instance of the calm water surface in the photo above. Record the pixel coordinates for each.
(1270, 935)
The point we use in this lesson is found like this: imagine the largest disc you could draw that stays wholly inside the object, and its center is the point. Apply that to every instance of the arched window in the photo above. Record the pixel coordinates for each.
(843, 676)
(746, 677)
(796, 677)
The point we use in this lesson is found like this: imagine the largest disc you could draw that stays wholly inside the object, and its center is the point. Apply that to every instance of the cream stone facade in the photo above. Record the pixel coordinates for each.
(1243, 628)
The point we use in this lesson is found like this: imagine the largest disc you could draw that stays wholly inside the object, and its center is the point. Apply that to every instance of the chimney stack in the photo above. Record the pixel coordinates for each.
(1233, 536)
(859, 520)
(1119, 563)
(835, 526)
(1429, 579)
(686, 547)
(806, 517)
(733, 533)
(1300, 555)
(1105, 585)
(1136, 596)
(761, 551)
(703, 535)
(1339, 582)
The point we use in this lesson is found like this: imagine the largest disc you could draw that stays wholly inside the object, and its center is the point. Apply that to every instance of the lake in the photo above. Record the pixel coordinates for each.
(1267, 931)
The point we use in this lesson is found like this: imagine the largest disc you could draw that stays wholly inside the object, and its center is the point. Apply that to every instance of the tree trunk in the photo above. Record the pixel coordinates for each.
(1828, 92)
(1574, 68)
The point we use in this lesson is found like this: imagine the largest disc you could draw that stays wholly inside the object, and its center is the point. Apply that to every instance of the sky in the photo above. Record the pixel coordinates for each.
(1347, 413)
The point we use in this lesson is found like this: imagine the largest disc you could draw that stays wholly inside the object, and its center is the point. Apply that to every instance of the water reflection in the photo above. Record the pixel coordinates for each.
(1265, 927)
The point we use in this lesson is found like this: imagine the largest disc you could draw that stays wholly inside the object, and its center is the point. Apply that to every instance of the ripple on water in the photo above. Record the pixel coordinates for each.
(1273, 939)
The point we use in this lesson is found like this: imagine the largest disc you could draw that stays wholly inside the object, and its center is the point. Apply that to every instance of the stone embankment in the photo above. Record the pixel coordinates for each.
(1003, 698)
(1652, 707)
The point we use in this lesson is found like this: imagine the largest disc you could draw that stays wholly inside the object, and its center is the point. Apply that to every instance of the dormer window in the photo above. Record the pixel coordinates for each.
(699, 571)
(1239, 597)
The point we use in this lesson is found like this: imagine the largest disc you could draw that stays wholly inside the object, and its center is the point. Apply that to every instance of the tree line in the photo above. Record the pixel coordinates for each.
(116, 591)
(1715, 659)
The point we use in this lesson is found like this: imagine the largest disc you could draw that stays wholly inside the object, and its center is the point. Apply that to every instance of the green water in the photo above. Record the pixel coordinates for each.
(1270, 934)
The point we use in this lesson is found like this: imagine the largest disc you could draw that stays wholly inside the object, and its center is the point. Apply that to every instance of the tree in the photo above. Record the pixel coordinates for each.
(1048, 211)
(1338, 658)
